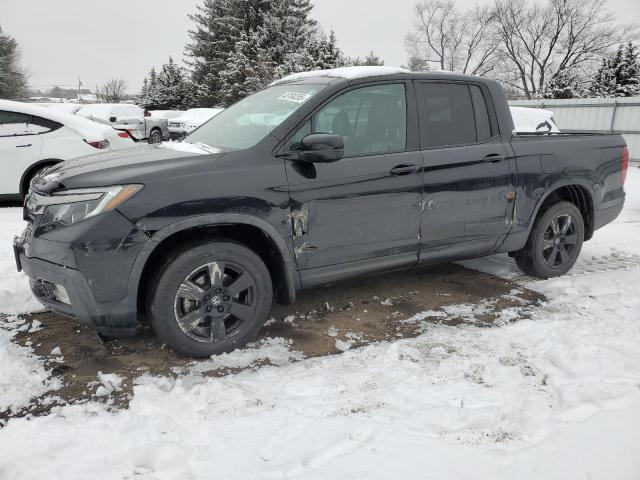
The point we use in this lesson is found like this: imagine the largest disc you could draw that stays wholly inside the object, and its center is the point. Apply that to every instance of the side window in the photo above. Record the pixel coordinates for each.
(483, 124)
(447, 116)
(12, 124)
(42, 125)
(371, 120)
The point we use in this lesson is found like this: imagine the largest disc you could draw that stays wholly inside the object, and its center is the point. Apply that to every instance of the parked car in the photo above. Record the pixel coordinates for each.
(318, 178)
(33, 138)
(529, 120)
(190, 120)
(123, 116)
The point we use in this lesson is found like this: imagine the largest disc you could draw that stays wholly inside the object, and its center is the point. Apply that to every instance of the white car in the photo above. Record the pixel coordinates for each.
(533, 120)
(61, 107)
(190, 120)
(33, 138)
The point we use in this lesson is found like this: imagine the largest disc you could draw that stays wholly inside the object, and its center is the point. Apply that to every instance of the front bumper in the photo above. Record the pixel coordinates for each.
(92, 279)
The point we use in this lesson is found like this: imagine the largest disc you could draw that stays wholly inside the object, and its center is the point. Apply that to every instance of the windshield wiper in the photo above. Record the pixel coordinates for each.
(206, 147)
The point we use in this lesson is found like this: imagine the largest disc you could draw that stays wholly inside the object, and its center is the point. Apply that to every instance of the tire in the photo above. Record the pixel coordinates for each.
(210, 298)
(558, 229)
(155, 136)
(33, 174)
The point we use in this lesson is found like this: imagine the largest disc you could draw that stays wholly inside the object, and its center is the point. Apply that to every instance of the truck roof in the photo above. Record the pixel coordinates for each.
(357, 73)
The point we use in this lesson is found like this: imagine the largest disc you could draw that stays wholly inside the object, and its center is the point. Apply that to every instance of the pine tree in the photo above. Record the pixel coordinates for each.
(618, 76)
(370, 60)
(563, 85)
(13, 82)
(218, 26)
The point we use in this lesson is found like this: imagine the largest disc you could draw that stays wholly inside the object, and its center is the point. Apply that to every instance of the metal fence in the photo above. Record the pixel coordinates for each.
(619, 115)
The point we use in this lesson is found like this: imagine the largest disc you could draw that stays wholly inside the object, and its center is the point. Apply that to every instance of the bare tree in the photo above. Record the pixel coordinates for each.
(463, 42)
(114, 91)
(540, 42)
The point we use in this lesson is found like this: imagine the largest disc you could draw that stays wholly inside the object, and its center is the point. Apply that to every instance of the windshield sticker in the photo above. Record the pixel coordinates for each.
(296, 97)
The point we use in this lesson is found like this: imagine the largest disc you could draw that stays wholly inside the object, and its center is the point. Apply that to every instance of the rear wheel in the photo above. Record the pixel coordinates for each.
(554, 243)
(210, 298)
(155, 136)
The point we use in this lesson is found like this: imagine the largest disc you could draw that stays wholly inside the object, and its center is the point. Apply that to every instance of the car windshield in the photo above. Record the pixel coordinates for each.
(250, 120)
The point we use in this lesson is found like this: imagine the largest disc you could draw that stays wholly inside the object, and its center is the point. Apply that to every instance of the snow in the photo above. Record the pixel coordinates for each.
(23, 375)
(183, 147)
(347, 73)
(15, 295)
(554, 395)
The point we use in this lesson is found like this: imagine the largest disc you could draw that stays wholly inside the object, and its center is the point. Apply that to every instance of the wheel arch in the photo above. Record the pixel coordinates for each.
(580, 193)
(28, 173)
(254, 233)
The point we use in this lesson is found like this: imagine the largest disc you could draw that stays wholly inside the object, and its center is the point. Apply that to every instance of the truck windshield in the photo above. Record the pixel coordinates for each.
(250, 120)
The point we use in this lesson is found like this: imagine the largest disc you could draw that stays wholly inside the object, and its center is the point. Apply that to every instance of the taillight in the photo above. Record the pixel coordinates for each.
(100, 144)
(625, 164)
(124, 135)
(147, 113)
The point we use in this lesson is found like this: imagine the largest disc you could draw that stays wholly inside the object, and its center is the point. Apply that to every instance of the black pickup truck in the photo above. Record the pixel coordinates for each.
(322, 176)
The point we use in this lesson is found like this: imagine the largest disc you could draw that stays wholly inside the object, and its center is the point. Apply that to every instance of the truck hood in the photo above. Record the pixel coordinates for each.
(133, 165)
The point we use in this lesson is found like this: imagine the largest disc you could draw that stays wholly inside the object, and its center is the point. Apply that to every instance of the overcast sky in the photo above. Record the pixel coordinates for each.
(61, 40)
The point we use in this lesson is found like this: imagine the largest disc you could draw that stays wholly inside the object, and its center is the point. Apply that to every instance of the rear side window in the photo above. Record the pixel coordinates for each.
(446, 114)
(483, 124)
(18, 124)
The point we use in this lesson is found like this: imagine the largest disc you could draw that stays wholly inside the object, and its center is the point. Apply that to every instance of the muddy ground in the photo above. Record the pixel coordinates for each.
(323, 321)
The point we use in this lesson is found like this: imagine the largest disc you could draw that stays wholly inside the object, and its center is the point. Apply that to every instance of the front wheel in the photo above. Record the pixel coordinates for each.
(554, 243)
(210, 298)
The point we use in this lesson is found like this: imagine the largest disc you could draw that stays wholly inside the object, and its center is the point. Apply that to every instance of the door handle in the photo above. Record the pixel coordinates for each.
(403, 170)
(494, 158)
(23, 146)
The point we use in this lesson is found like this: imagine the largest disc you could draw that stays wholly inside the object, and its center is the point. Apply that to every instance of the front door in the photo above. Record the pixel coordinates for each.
(366, 205)
(466, 172)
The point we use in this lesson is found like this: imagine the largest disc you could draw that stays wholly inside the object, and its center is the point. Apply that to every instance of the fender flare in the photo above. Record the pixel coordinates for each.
(581, 182)
(292, 277)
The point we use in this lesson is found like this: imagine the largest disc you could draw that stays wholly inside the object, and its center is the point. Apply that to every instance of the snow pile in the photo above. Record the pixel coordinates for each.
(110, 382)
(23, 375)
(15, 294)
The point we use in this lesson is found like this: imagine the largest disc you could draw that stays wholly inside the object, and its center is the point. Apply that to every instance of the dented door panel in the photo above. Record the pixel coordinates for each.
(354, 209)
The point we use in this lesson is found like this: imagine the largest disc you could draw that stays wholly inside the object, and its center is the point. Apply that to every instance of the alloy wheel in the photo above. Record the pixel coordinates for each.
(214, 301)
(559, 240)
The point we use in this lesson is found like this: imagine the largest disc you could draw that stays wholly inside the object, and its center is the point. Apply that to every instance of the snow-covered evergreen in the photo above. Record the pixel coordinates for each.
(618, 76)
(13, 81)
(240, 46)
(565, 84)
(170, 89)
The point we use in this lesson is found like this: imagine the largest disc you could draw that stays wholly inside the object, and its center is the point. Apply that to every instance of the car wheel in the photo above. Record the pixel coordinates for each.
(210, 298)
(554, 243)
(32, 175)
(155, 136)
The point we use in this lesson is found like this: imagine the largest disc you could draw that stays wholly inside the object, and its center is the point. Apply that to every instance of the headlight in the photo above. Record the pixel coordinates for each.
(72, 206)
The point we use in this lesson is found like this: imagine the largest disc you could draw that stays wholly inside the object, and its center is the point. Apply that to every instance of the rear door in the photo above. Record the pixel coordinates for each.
(467, 180)
(20, 146)
(366, 205)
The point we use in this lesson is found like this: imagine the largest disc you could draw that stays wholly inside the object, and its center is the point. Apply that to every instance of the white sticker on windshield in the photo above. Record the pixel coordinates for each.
(296, 97)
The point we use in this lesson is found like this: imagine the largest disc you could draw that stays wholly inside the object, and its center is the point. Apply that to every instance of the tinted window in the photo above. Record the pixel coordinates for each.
(447, 116)
(13, 124)
(483, 125)
(371, 120)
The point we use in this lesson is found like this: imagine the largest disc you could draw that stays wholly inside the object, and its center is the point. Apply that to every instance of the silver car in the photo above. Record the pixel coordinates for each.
(131, 118)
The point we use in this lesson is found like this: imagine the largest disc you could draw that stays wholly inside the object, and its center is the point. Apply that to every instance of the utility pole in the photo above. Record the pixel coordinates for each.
(79, 87)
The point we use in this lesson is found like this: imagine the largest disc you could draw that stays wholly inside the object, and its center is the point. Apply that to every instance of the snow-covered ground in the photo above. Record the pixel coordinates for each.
(553, 396)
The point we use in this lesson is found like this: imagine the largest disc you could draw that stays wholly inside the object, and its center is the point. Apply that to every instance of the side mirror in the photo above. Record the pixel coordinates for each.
(321, 148)
(112, 119)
